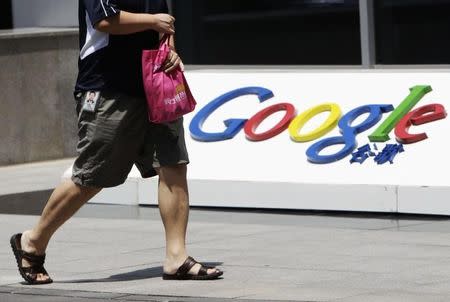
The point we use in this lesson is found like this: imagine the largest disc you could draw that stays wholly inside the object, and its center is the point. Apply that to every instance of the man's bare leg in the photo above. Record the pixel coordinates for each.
(174, 209)
(64, 202)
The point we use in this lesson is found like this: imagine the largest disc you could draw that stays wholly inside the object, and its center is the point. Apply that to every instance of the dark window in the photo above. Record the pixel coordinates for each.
(268, 32)
(5, 14)
(412, 31)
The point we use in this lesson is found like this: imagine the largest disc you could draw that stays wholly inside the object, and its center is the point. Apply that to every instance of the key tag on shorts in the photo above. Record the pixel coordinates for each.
(90, 101)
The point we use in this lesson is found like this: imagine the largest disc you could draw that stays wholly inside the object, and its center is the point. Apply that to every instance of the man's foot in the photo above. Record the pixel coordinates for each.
(189, 269)
(30, 259)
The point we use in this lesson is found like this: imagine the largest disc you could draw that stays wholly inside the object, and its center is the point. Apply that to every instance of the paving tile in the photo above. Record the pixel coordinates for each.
(27, 298)
(33, 291)
(304, 293)
(435, 227)
(395, 296)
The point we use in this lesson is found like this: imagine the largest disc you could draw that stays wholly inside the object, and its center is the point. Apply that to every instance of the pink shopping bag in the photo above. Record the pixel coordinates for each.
(168, 94)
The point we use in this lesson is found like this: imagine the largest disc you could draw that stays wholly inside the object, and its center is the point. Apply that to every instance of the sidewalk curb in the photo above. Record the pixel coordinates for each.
(67, 295)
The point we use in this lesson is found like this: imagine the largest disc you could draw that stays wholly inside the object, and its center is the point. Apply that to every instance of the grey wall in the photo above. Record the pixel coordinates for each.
(35, 13)
(37, 110)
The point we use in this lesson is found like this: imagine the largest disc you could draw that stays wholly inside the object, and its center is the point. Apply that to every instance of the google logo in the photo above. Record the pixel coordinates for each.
(401, 119)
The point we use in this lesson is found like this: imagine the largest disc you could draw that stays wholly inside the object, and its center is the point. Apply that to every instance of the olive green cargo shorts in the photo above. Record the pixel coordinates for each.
(114, 133)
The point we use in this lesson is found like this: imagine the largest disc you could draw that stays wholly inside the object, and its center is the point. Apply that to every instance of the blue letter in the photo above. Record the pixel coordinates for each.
(348, 138)
(233, 125)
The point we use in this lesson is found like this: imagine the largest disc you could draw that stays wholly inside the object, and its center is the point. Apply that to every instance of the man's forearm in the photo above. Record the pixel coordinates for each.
(127, 23)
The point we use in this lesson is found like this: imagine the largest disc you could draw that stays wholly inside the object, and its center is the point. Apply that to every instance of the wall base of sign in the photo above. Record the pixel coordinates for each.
(424, 200)
(273, 195)
(247, 194)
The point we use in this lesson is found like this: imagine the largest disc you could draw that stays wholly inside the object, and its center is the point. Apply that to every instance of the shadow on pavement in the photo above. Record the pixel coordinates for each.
(147, 273)
(27, 203)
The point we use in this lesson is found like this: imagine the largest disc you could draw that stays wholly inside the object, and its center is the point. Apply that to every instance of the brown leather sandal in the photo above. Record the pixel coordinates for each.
(29, 274)
(183, 272)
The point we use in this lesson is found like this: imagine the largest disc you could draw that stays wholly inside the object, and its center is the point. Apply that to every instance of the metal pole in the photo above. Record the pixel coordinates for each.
(367, 27)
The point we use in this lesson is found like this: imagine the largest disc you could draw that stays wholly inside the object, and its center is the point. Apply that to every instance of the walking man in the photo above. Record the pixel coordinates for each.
(115, 134)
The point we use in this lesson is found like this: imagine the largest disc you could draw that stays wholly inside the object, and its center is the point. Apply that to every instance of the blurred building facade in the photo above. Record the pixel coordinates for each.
(44, 13)
(311, 32)
(282, 32)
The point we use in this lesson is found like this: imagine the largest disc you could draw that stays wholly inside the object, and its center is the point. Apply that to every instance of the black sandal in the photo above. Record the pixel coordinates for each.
(29, 274)
(183, 272)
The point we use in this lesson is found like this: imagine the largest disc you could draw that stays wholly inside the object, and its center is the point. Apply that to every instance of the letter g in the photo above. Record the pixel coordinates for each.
(233, 126)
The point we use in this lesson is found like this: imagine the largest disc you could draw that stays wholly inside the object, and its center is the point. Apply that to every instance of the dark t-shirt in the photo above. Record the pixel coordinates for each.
(113, 61)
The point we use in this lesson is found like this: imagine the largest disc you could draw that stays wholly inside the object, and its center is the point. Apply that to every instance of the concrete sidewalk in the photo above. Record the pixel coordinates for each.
(31, 177)
(115, 253)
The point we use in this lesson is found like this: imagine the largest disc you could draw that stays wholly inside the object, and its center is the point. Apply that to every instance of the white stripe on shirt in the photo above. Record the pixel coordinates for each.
(95, 40)
(106, 13)
(107, 2)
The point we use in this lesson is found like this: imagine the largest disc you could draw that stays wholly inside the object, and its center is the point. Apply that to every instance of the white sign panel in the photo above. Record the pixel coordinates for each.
(280, 159)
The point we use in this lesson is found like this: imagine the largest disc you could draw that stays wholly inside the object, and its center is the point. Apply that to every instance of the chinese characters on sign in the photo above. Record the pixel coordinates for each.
(388, 153)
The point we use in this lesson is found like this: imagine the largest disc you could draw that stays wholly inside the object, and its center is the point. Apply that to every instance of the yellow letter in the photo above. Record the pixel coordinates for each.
(297, 124)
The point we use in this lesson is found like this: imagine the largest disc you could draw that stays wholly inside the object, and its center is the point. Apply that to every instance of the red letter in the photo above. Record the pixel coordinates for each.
(421, 115)
(256, 120)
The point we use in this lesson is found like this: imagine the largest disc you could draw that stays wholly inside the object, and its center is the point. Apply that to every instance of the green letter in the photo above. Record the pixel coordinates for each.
(382, 132)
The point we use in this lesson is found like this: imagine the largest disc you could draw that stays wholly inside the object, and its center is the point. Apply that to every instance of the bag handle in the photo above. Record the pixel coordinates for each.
(165, 40)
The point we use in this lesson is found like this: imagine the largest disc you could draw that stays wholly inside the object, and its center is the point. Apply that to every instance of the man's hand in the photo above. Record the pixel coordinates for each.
(172, 62)
(164, 23)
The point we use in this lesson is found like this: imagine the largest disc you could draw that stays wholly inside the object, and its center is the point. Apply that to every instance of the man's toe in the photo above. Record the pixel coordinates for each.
(212, 271)
(42, 277)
